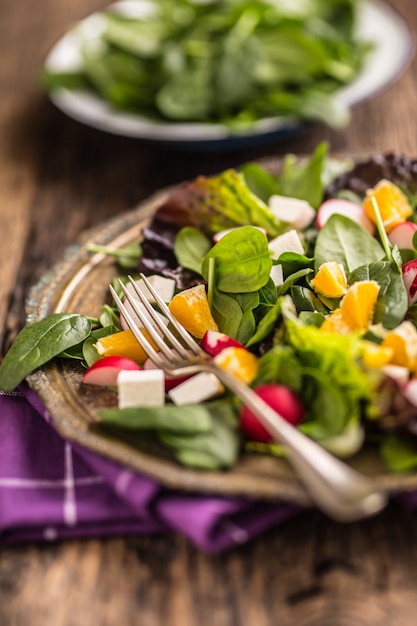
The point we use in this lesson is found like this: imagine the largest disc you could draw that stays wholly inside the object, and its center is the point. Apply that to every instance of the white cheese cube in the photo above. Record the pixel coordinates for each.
(197, 389)
(165, 288)
(287, 242)
(277, 275)
(298, 213)
(141, 388)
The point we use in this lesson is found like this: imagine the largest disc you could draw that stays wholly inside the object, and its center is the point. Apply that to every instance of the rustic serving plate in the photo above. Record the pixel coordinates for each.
(79, 283)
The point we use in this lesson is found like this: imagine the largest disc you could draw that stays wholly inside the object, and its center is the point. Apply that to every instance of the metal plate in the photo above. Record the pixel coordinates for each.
(79, 283)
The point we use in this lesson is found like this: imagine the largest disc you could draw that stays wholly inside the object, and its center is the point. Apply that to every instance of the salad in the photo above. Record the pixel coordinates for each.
(302, 283)
(223, 61)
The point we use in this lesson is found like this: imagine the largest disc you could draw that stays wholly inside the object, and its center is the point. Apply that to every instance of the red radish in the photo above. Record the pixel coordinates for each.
(398, 373)
(279, 397)
(410, 391)
(106, 370)
(402, 235)
(219, 235)
(353, 211)
(214, 342)
(409, 270)
(170, 382)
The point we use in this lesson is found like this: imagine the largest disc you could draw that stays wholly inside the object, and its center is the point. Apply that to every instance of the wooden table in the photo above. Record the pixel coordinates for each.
(58, 178)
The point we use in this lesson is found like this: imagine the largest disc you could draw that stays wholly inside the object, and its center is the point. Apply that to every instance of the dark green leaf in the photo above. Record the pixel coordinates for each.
(242, 259)
(38, 343)
(170, 418)
(190, 246)
(346, 242)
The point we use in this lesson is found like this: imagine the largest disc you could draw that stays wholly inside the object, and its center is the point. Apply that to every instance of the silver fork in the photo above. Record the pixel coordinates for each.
(333, 486)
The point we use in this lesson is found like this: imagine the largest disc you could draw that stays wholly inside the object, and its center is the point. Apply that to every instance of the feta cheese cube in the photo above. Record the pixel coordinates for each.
(165, 288)
(141, 388)
(277, 275)
(287, 242)
(197, 389)
(298, 213)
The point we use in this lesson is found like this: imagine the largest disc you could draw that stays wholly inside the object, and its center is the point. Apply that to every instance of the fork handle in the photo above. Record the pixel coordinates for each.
(335, 487)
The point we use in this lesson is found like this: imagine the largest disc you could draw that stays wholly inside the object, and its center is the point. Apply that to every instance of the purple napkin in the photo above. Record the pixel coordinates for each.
(53, 489)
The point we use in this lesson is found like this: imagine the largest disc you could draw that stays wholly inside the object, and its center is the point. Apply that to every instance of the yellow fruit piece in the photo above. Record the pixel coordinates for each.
(392, 203)
(330, 280)
(335, 323)
(356, 309)
(403, 342)
(124, 344)
(239, 362)
(376, 355)
(190, 307)
(358, 304)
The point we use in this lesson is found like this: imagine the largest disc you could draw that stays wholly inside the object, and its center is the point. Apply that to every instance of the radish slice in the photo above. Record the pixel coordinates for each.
(353, 211)
(410, 391)
(214, 342)
(106, 370)
(402, 235)
(282, 399)
(409, 271)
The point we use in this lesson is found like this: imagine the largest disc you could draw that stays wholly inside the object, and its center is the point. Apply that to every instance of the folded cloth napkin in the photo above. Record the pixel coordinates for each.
(53, 489)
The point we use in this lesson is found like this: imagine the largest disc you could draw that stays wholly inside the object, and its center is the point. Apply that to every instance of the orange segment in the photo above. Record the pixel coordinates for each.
(124, 344)
(330, 280)
(403, 343)
(392, 203)
(356, 309)
(376, 355)
(239, 362)
(335, 323)
(358, 305)
(191, 309)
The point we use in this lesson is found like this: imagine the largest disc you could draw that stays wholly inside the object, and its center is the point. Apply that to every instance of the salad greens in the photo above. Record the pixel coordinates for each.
(347, 401)
(228, 61)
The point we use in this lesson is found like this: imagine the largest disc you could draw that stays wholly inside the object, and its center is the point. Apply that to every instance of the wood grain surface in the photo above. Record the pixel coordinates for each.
(57, 178)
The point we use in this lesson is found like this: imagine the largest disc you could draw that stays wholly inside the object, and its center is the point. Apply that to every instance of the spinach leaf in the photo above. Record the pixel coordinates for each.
(280, 365)
(170, 418)
(227, 313)
(260, 182)
(392, 303)
(328, 410)
(303, 179)
(39, 342)
(216, 448)
(234, 315)
(306, 300)
(292, 279)
(346, 242)
(267, 323)
(89, 352)
(242, 261)
(190, 246)
(127, 257)
(399, 454)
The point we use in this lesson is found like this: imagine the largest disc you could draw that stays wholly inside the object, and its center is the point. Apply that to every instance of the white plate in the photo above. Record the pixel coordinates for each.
(378, 23)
